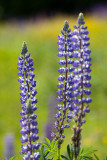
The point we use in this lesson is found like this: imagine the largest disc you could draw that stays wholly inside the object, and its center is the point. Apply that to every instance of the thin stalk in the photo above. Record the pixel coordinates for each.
(58, 153)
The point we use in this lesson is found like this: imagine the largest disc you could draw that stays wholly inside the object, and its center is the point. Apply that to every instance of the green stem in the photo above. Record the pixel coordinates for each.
(58, 153)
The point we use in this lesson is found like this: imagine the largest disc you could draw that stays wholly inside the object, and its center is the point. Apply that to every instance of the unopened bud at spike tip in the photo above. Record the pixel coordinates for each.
(24, 49)
(80, 20)
(81, 15)
(66, 26)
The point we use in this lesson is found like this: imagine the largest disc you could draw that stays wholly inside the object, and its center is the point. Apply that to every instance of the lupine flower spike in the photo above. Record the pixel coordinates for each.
(65, 51)
(82, 77)
(28, 121)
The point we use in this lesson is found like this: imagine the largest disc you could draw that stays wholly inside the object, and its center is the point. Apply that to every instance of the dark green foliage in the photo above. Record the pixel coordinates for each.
(85, 154)
(48, 151)
(69, 153)
(43, 153)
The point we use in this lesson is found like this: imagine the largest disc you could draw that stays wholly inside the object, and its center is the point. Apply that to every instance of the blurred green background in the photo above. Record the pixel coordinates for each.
(41, 37)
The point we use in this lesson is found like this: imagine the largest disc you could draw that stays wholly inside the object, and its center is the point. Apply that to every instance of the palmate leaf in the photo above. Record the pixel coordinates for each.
(87, 151)
(50, 149)
(48, 141)
(46, 145)
(50, 155)
(43, 152)
(46, 152)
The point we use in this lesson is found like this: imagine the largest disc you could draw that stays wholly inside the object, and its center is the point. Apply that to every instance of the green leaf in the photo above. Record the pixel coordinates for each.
(56, 157)
(53, 142)
(47, 140)
(96, 157)
(46, 145)
(50, 155)
(11, 158)
(41, 150)
(68, 150)
(46, 152)
(88, 158)
(70, 154)
(64, 157)
(87, 151)
(55, 145)
(82, 150)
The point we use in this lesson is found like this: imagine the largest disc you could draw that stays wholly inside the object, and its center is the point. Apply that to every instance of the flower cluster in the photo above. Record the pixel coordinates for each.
(81, 75)
(28, 121)
(66, 48)
(73, 89)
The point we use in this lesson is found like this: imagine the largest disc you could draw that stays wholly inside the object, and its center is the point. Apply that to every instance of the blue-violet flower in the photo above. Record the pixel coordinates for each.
(28, 101)
(81, 77)
(66, 48)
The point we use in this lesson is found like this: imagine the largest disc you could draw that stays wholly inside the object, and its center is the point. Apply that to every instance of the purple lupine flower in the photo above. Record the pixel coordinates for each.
(9, 145)
(66, 48)
(28, 121)
(82, 84)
